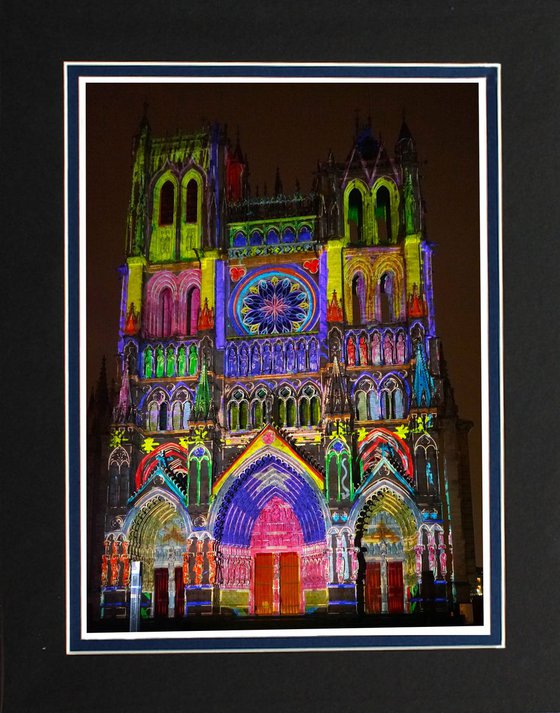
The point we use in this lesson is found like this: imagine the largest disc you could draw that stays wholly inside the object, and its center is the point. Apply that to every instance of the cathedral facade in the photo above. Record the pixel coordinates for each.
(285, 439)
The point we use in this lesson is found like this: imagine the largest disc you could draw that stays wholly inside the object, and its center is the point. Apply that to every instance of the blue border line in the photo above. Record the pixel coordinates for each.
(73, 73)
(495, 455)
(73, 362)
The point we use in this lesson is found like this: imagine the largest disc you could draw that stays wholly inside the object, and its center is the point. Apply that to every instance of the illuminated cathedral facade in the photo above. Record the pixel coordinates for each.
(284, 439)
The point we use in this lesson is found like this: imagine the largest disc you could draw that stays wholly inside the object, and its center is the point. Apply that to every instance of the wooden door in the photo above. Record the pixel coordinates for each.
(373, 588)
(395, 587)
(289, 583)
(264, 578)
(161, 593)
(179, 592)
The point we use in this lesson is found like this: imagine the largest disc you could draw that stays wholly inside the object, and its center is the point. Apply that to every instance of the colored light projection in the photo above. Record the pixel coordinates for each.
(277, 443)
(387, 530)
(267, 477)
(279, 301)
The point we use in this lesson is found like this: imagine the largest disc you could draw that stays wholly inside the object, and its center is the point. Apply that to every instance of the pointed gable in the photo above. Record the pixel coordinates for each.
(269, 439)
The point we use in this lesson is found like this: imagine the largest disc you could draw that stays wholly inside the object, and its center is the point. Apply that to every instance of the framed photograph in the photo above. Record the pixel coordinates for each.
(283, 346)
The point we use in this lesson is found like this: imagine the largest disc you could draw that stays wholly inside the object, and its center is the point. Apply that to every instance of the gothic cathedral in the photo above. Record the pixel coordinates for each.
(285, 439)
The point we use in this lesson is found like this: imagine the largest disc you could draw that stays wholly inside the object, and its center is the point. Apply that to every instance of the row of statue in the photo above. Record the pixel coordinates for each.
(385, 351)
(159, 362)
(279, 358)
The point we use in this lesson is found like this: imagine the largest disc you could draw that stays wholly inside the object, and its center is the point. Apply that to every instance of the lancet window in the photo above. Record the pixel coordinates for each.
(337, 465)
(167, 204)
(181, 410)
(426, 456)
(392, 399)
(191, 208)
(157, 411)
(383, 215)
(238, 411)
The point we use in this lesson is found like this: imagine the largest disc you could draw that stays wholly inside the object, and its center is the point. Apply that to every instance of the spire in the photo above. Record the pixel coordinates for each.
(203, 398)
(409, 205)
(101, 390)
(449, 405)
(404, 133)
(365, 141)
(124, 403)
(131, 321)
(101, 415)
(334, 310)
(236, 172)
(206, 317)
(337, 403)
(423, 382)
(405, 147)
(416, 303)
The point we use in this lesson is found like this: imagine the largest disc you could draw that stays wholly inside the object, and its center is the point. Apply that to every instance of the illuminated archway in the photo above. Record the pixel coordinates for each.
(375, 439)
(157, 532)
(263, 493)
(386, 527)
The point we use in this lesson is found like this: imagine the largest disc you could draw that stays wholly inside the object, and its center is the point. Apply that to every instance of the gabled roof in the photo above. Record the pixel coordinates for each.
(269, 438)
(174, 480)
(389, 473)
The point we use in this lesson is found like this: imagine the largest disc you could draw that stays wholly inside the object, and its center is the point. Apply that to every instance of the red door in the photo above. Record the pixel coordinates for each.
(161, 586)
(373, 588)
(396, 587)
(264, 577)
(289, 583)
(179, 592)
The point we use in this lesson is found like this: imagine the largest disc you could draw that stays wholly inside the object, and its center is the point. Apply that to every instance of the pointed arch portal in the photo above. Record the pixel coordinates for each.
(157, 536)
(386, 533)
(272, 516)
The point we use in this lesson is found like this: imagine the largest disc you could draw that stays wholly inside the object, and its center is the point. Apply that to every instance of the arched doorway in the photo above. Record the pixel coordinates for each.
(386, 533)
(158, 536)
(269, 526)
(276, 547)
(384, 558)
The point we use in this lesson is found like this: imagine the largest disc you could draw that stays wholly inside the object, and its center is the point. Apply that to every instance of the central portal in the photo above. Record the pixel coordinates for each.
(276, 546)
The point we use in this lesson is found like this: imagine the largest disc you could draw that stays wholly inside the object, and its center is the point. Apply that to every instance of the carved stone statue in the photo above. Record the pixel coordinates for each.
(351, 349)
(363, 351)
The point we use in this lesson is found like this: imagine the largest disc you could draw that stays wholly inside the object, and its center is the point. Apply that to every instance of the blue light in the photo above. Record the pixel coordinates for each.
(198, 604)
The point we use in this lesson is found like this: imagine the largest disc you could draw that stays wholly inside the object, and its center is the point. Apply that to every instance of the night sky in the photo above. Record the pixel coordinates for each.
(291, 126)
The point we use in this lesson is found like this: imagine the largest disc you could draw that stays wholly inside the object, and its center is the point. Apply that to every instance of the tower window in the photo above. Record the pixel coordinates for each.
(192, 202)
(358, 298)
(166, 204)
(315, 411)
(163, 417)
(243, 416)
(290, 413)
(233, 416)
(355, 214)
(193, 305)
(165, 306)
(386, 297)
(383, 214)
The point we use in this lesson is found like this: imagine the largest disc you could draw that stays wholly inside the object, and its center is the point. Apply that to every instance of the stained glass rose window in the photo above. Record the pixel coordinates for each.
(275, 306)
(274, 302)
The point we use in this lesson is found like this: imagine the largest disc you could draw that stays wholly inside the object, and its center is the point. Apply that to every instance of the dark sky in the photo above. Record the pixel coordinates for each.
(292, 126)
